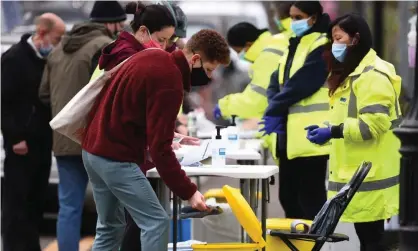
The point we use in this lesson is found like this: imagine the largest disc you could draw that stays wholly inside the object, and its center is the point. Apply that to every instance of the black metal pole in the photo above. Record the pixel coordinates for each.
(358, 7)
(408, 134)
(175, 218)
(378, 27)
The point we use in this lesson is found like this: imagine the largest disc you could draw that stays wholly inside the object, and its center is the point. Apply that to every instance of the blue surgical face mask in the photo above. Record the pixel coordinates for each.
(241, 55)
(45, 50)
(299, 27)
(339, 51)
(278, 23)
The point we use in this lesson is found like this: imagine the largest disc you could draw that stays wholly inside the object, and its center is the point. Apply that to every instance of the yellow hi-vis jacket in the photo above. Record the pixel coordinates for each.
(97, 72)
(233, 104)
(265, 54)
(257, 47)
(309, 111)
(367, 105)
(252, 102)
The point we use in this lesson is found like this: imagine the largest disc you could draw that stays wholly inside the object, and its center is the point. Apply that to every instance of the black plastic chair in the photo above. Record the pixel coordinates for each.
(325, 222)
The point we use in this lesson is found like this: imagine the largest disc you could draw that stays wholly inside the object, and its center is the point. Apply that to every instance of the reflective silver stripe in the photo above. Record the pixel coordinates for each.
(275, 51)
(352, 105)
(309, 108)
(258, 89)
(321, 36)
(365, 132)
(374, 109)
(396, 96)
(367, 186)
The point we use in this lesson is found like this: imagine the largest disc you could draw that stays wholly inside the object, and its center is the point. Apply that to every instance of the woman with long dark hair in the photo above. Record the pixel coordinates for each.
(296, 97)
(364, 92)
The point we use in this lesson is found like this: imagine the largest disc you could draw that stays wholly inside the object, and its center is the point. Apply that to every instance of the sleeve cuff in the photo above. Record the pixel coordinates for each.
(189, 193)
(337, 131)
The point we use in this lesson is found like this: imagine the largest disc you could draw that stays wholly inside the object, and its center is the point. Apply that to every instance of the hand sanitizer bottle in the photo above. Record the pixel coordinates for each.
(191, 124)
(218, 149)
(233, 135)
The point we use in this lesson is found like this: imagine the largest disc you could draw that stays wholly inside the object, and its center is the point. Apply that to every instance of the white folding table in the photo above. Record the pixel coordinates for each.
(242, 172)
(243, 157)
(246, 134)
(240, 154)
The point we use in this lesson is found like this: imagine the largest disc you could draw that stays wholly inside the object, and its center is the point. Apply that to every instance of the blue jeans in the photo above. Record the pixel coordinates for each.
(121, 184)
(71, 192)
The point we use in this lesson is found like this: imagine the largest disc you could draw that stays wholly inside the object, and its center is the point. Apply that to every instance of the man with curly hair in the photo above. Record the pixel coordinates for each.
(137, 111)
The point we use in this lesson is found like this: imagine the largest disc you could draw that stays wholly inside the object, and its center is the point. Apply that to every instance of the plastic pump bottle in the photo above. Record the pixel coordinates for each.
(218, 149)
(233, 134)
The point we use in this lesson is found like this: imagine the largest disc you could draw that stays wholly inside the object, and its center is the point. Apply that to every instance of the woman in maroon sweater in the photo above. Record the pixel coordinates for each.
(127, 44)
(137, 110)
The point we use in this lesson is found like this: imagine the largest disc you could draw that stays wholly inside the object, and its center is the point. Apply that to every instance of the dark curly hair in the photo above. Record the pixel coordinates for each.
(212, 46)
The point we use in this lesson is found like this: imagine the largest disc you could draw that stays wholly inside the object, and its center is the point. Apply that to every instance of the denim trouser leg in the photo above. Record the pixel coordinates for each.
(71, 192)
(110, 222)
(125, 183)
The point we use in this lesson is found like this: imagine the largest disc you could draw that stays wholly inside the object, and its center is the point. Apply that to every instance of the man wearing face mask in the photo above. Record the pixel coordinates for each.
(26, 134)
(147, 92)
(68, 70)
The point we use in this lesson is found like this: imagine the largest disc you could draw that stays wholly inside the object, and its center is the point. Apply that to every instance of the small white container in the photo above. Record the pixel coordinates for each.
(233, 135)
(219, 147)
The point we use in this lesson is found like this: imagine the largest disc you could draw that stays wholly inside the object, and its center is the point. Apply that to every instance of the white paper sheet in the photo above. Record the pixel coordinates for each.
(197, 153)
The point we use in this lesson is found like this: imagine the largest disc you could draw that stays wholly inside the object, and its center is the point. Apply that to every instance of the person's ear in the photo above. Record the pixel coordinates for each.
(248, 45)
(42, 31)
(356, 39)
(195, 58)
(313, 19)
(142, 29)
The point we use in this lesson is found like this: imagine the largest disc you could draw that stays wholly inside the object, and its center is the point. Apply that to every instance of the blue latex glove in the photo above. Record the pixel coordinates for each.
(272, 124)
(217, 114)
(318, 135)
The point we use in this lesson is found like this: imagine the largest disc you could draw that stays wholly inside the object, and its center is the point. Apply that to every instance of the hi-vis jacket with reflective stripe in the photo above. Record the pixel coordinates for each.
(257, 47)
(307, 111)
(96, 73)
(367, 104)
(252, 102)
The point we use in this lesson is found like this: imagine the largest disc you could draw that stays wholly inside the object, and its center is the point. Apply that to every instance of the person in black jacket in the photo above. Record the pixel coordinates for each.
(302, 189)
(26, 134)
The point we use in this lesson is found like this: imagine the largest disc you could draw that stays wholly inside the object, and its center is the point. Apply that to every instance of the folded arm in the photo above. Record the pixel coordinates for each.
(304, 83)
(375, 99)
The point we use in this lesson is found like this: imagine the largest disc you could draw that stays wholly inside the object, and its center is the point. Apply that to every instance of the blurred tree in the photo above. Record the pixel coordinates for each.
(270, 10)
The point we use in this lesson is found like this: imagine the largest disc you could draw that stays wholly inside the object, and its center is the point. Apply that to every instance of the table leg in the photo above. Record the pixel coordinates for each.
(175, 217)
(265, 155)
(253, 199)
(198, 182)
(163, 194)
(264, 187)
(243, 190)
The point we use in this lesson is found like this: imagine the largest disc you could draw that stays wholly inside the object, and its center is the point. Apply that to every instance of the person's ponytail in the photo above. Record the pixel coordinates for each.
(155, 16)
(134, 7)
